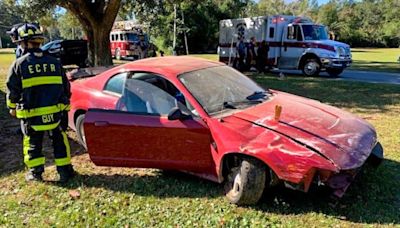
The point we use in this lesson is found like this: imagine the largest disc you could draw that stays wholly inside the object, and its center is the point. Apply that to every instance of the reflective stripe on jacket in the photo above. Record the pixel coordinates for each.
(38, 89)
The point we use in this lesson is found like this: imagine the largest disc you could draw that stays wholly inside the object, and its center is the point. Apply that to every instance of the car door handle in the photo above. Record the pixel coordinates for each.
(101, 123)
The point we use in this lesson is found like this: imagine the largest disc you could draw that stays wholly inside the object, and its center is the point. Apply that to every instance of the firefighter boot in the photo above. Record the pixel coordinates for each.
(66, 173)
(34, 174)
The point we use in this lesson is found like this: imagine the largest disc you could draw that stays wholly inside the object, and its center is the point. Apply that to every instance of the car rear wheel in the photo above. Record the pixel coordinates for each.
(334, 72)
(311, 67)
(245, 182)
(80, 131)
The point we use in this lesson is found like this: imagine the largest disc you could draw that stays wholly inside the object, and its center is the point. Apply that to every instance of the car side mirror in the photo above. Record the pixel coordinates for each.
(177, 114)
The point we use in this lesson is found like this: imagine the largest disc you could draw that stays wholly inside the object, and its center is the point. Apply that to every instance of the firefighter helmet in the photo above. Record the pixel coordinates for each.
(30, 32)
(13, 32)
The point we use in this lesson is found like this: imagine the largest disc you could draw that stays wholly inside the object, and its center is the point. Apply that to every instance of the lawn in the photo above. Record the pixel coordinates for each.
(122, 197)
(376, 59)
(366, 59)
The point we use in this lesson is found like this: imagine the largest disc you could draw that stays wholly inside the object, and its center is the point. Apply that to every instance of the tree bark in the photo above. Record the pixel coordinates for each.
(97, 20)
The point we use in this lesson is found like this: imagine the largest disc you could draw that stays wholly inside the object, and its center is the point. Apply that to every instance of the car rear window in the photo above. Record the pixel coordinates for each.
(116, 83)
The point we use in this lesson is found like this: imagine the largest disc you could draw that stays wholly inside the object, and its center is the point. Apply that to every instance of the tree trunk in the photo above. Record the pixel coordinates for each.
(100, 48)
(97, 19)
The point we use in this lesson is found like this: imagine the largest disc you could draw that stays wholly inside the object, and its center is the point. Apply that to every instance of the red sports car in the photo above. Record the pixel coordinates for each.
(207, 119)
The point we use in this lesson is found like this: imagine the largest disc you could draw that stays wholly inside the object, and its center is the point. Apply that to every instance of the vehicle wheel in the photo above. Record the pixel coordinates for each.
(117, 54)
(80, 130)
(244, 184)
(311, 67)
(334, 72)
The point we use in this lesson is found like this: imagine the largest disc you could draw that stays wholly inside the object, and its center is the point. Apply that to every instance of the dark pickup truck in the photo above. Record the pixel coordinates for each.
(69, 52)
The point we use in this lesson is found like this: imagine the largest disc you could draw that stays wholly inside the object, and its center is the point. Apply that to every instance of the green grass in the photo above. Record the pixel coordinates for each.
(150, 198)
(376, 59)
(367, 59)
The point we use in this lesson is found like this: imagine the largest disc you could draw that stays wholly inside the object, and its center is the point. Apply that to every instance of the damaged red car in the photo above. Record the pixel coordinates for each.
(209, 120)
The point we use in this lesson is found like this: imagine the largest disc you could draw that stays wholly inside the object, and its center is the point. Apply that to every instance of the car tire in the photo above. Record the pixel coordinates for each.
(80, 130)
(334, 72)
(311, 67)
(245, 182)
(117, 54)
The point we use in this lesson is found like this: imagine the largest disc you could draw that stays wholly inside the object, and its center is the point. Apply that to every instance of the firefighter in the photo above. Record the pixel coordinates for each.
(13, 33)
(38, 93)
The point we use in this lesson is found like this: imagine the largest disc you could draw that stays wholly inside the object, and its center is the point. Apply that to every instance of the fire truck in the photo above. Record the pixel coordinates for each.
(294, 43)
(128, 39)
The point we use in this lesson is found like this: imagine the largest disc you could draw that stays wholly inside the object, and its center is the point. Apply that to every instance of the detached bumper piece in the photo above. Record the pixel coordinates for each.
(341, 181)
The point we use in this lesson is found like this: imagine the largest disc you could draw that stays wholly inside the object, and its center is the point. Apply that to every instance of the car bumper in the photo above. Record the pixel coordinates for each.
(341, 181)
(336, 62)
(338, 182)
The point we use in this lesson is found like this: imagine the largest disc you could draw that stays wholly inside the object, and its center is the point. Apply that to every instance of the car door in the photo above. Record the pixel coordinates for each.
(139, 134)
(292, 47)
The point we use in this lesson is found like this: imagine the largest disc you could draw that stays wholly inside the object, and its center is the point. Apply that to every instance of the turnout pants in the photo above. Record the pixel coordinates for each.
(32, 147)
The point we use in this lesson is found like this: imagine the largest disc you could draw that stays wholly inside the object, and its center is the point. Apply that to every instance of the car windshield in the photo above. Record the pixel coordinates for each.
(221, 88)
(314, 32)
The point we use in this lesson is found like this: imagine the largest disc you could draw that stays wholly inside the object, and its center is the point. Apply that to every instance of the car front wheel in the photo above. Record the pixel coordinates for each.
(245, 182)
(80, 130)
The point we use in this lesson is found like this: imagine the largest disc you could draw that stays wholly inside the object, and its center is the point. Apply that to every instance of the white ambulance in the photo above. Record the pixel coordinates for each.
(294, 43)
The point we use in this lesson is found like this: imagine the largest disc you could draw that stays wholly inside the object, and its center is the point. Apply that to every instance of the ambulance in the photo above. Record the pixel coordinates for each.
(295, 43)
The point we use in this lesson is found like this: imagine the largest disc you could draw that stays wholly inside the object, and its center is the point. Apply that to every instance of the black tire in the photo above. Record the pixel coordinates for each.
(245, 182)
(117, 54)
(334, 72)
(311, 67)
(80, 130)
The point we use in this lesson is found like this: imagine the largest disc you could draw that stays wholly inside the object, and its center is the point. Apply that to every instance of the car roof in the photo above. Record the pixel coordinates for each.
(172, 65)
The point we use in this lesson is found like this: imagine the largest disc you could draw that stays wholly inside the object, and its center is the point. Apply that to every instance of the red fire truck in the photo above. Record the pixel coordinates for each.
(128, 40)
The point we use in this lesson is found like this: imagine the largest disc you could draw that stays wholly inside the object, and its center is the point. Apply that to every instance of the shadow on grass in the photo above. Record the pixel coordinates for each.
(372, 198)
(365, 97)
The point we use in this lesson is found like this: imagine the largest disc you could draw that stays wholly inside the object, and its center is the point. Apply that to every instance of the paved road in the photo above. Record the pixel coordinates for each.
(364, 76)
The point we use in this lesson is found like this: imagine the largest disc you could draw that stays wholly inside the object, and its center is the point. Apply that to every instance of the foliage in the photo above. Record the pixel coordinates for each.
(10, 14)
(353, 22)
(95, 17)
(201, 20)
(70, 27)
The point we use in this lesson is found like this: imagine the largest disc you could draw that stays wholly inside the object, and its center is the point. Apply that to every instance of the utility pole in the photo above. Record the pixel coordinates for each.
(174, 40)
(184, 33)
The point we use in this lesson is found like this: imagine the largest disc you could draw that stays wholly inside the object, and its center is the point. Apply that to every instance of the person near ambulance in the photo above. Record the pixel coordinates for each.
(241, 53)
(38, 94)
(251, 53)
(262, 57)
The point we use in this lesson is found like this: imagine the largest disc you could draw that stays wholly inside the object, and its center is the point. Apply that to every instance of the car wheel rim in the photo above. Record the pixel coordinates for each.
(236, 182)
(310, 68)
(83, 134)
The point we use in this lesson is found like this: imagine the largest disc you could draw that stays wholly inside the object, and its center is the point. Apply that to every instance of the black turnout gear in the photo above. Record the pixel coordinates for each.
(40, 92)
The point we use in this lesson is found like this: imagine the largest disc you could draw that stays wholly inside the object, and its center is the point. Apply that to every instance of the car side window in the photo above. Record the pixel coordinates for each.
(116, 83)
(149, 94)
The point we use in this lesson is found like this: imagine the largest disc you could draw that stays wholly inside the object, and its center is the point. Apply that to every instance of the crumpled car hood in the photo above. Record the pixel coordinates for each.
(341, 137)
